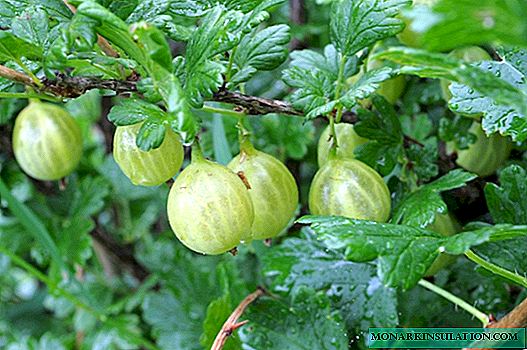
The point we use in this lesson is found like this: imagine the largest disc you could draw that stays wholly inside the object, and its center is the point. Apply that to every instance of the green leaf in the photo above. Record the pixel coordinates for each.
(154, 44)
(433, 65)
(307, 319)
(32, 224)
(11, 8)
(264, 50)
(383, 129)
(313, 88)
(507, 204)
(358, 24)
(132, 111)
(150, 135)
(496, 117)
(455, 23)
(352, 288)
(404, 253)
(314, 75)
(217, 313)
(177, 311)
(366, 85)
(423, 159)
(14, 48)
(419, 208)
(75, 242)
(328, 62)
(32, 26)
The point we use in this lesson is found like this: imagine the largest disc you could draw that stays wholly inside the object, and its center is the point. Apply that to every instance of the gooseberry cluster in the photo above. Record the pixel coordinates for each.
(213, 208)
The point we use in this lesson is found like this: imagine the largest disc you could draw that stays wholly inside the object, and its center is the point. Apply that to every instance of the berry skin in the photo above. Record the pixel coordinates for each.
(445, 225)
(486, 155)
(347, 138)
(273, 191)
(349, 188)
(209, 208)
(47, 141)
(149, 168)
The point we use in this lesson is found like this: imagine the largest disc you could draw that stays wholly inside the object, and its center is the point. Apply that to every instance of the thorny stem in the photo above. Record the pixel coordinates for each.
(457, 301)
(520, 280)
(232, 322)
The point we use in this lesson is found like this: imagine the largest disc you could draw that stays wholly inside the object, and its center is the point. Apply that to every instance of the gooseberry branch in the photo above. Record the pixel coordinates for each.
(232, 323)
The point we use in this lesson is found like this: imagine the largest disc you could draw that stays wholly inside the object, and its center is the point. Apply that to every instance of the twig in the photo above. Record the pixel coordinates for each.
(232, 322)
(255, 105)
(517, 318)
(17, 76)
(71, 87)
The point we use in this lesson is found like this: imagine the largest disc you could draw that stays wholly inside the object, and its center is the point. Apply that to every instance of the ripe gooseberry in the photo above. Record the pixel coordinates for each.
(273, 190)
(209, 207)
(150, 168)
(47, 141)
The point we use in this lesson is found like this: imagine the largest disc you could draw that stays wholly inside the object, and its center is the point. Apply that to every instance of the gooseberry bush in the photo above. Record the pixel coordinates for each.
(261, 174)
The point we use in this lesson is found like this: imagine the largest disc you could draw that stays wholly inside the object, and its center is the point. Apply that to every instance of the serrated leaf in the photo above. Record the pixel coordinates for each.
(32, 25)
(88, 197)
(404, 253)
(424, 159)
(75, 243)
(277, 325)
(264, 50)
(419, 208)
(150, 135)
(496, 117)
(383, 129)
(433, 65)
(132, 111)
(14, 48)
(352, 288)
(328, 62)
(314, 75)
(366, 85)
(507, 204)
(12, 8)
(358, 24)
(313, 88)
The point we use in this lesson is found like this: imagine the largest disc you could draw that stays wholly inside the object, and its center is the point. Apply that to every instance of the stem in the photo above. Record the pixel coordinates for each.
(232, 322)
(338, 88)
(457, 301)
(29, 95)
(229, 65)
(229, 112)
(14, 75)
(74, 300)
(522, 281)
